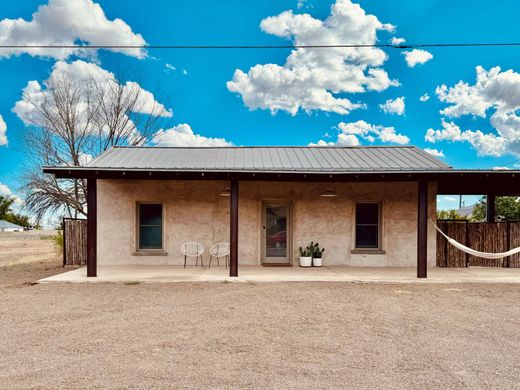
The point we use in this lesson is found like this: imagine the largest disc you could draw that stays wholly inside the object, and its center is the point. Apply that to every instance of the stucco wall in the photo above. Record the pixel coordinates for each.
(194, 211)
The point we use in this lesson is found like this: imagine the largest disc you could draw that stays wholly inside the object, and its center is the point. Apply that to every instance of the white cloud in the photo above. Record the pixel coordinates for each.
(182, 135)
(169, 68)
(82, 71)
(184, 72)
(424, 98)
(303, 4)
(3, 132)
(6, 191)
(450, 198)
(351, 134)
(311, 79)
(486, 144)
(397, 41)
(417, 57)
(65, 22)
(395, 106)
(434, 152)
(493, 90)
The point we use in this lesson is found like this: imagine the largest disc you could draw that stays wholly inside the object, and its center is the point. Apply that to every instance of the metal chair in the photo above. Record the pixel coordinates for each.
(193, 249)
(220, 249)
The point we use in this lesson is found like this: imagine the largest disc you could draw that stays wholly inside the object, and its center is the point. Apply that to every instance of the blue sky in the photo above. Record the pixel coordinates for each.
(211, 111)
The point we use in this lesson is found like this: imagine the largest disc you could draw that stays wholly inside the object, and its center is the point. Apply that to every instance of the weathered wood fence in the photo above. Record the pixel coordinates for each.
(481, 236)
(74, 241)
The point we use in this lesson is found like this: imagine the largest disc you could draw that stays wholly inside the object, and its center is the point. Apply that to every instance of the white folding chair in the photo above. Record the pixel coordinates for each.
(220, 249)
(192, 249)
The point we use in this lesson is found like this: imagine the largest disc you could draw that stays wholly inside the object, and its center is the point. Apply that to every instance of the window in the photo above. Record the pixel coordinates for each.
(150, 226)
(367, 225)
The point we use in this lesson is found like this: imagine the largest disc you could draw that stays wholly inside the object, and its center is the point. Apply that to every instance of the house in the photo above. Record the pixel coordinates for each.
(368, 206)
(9, 227)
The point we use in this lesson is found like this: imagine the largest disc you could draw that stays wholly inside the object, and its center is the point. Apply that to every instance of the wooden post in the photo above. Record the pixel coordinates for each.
(64, 242)
(92, 227)
(507, 262)
(233, 231)
(422, 229)
(490, 208)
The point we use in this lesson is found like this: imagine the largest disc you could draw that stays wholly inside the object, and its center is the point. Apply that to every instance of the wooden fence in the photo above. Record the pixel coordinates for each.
(481, 236)
(74, 241)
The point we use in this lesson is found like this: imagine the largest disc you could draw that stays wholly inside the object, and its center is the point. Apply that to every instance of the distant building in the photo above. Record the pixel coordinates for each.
(9, 227)
(465, 211)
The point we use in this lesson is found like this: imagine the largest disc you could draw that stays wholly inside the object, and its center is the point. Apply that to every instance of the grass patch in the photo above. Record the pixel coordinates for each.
(132, 283)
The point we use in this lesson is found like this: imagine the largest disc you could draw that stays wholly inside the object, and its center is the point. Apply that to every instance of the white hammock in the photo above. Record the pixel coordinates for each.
(473, 252)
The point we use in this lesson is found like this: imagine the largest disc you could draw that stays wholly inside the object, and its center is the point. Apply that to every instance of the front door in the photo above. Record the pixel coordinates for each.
(276, 245)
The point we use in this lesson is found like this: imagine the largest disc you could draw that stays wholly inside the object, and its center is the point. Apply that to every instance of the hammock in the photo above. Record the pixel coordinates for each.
(473, 252)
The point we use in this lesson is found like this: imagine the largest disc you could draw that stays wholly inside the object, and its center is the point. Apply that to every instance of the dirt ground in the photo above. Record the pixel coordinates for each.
(26, 247)
(285, 335)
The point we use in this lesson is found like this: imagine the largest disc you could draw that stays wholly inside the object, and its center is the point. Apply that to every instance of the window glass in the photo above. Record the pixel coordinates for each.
(150, 226)
(367, 225)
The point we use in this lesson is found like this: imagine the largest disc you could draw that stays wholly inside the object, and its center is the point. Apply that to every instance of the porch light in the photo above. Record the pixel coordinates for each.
(328, 194)
(226, 192)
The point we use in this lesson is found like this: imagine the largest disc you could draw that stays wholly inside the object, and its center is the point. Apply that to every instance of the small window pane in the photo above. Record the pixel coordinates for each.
(366, 236)
(150, 214)
(150, 237)
(367, 213)
(150, 226)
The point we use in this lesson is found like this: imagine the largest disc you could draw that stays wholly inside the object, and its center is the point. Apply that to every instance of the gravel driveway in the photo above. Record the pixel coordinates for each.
(286, 335)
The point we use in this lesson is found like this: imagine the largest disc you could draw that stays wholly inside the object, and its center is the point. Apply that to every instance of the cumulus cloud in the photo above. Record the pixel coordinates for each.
(395, 106)
(434, 152)
(424, 98)
(397, 41)
(417, 57)
(494, 91)
(3, 132)
(6, 191)
(351, 134)
(182, 135)
(66, 22)
(486, 144)
(311, 79)
(82, 71)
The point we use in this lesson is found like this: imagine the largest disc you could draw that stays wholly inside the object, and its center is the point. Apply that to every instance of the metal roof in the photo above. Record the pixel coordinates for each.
(6, 224)
(268, 159)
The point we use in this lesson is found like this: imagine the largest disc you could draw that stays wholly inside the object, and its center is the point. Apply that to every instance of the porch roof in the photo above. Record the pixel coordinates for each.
(268, 159)
(282, 163)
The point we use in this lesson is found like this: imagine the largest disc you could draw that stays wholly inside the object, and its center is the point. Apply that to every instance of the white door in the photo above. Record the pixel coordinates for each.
(276, 224)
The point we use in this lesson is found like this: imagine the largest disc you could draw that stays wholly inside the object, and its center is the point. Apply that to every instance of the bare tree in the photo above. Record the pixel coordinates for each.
(73, 120)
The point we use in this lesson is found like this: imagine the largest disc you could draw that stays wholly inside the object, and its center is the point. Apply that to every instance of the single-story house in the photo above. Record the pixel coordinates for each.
(367, 206)
(9, 227)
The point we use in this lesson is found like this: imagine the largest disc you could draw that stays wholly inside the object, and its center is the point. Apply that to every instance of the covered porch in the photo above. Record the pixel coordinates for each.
(408, 176)
(258, 274)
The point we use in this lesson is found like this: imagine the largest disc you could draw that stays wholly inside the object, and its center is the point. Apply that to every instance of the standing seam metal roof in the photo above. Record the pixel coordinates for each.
(270, 159)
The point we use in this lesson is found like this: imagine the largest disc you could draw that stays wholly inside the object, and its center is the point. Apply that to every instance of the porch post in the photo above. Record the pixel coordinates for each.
(422, 229)
(91, 227)
(490, 208)
(233, 231)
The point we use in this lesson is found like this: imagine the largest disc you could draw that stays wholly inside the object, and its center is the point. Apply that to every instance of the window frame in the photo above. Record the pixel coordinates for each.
(378, 249)
(148, 251)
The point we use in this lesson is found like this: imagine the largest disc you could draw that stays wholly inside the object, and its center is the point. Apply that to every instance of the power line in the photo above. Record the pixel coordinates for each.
(338, 46)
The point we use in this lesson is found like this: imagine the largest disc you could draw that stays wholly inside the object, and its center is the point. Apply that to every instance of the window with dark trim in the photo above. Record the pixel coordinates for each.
(367, 225)
(150, 226)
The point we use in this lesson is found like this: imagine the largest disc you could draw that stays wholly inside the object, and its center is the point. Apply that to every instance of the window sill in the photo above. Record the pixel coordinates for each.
(368, 252)
(150, 252)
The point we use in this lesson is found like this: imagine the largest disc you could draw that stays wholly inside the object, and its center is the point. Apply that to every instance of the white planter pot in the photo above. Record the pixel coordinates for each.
(317, 262)
(305, 261)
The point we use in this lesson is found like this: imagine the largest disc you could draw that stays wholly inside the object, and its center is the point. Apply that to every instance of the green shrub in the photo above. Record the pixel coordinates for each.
(58, 241)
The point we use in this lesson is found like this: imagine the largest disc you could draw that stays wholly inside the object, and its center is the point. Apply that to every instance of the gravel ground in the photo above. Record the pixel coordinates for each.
(284, 335)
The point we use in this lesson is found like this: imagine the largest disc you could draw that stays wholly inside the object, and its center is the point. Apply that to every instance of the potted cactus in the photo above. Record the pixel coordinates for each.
(317, 255)
(306, 256)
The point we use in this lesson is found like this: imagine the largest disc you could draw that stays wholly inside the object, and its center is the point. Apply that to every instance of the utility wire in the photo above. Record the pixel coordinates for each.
(339, 46)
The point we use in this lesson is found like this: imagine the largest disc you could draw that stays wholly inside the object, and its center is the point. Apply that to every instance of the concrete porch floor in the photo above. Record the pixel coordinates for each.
(166, 274)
